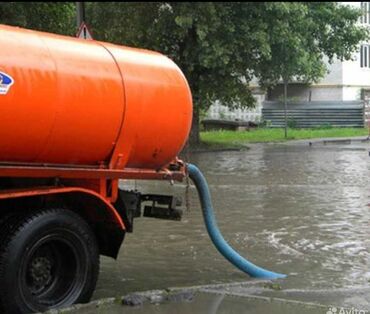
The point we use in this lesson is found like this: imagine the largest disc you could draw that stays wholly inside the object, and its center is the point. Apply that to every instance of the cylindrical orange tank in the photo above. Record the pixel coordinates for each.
(70, 101)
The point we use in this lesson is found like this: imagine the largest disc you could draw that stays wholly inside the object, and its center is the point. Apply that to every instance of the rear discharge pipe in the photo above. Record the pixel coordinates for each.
(218, 240)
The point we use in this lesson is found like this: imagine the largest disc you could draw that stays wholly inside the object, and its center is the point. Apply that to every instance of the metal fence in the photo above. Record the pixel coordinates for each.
(314, 114)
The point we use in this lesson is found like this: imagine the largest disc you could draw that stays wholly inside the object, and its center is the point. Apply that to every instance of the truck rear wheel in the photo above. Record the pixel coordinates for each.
(48, 259)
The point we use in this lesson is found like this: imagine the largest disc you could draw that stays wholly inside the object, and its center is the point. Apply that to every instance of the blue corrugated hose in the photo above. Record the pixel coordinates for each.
(222, 246)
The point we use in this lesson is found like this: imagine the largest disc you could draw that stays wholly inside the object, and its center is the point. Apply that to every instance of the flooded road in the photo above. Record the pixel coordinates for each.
(292, 208)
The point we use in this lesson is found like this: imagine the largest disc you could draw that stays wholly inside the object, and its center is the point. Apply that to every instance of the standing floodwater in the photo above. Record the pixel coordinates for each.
(296, 209)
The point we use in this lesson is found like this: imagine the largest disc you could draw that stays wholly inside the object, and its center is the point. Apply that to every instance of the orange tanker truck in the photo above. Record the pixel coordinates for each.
(75, 117)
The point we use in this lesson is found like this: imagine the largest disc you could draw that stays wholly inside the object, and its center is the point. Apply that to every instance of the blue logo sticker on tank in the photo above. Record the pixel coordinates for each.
(6, 81)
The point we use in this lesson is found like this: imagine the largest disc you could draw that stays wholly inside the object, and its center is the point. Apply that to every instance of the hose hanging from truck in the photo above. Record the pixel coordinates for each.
(210, 221)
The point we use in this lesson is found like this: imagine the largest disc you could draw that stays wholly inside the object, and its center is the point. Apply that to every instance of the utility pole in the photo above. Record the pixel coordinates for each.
(80, 6)
(286, 107)
(83, 30)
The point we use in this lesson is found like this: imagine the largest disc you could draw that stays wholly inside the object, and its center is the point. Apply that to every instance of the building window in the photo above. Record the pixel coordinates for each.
(365, 56)
(365, 8)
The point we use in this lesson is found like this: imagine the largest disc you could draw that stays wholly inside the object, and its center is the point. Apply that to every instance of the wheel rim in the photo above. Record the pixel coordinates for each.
(53, 272)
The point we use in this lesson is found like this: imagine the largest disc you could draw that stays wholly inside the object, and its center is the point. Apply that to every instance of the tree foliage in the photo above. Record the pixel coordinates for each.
(55, 17)
(302, 36)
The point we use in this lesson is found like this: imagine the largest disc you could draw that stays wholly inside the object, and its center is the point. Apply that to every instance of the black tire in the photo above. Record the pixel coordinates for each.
(48, 259)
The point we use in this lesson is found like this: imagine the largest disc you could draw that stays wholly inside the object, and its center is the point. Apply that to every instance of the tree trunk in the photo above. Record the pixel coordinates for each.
(194, 137)
(286, 107)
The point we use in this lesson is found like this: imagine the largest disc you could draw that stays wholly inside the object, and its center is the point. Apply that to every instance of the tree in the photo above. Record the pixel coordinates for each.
(302, 35)
(215, 44)
(222, 46)
(55, 17)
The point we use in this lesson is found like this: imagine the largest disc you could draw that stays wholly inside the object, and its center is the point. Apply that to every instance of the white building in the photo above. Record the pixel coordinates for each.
(347, 80)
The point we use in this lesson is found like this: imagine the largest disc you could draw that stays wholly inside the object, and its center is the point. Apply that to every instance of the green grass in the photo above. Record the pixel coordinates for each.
(233, 138)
